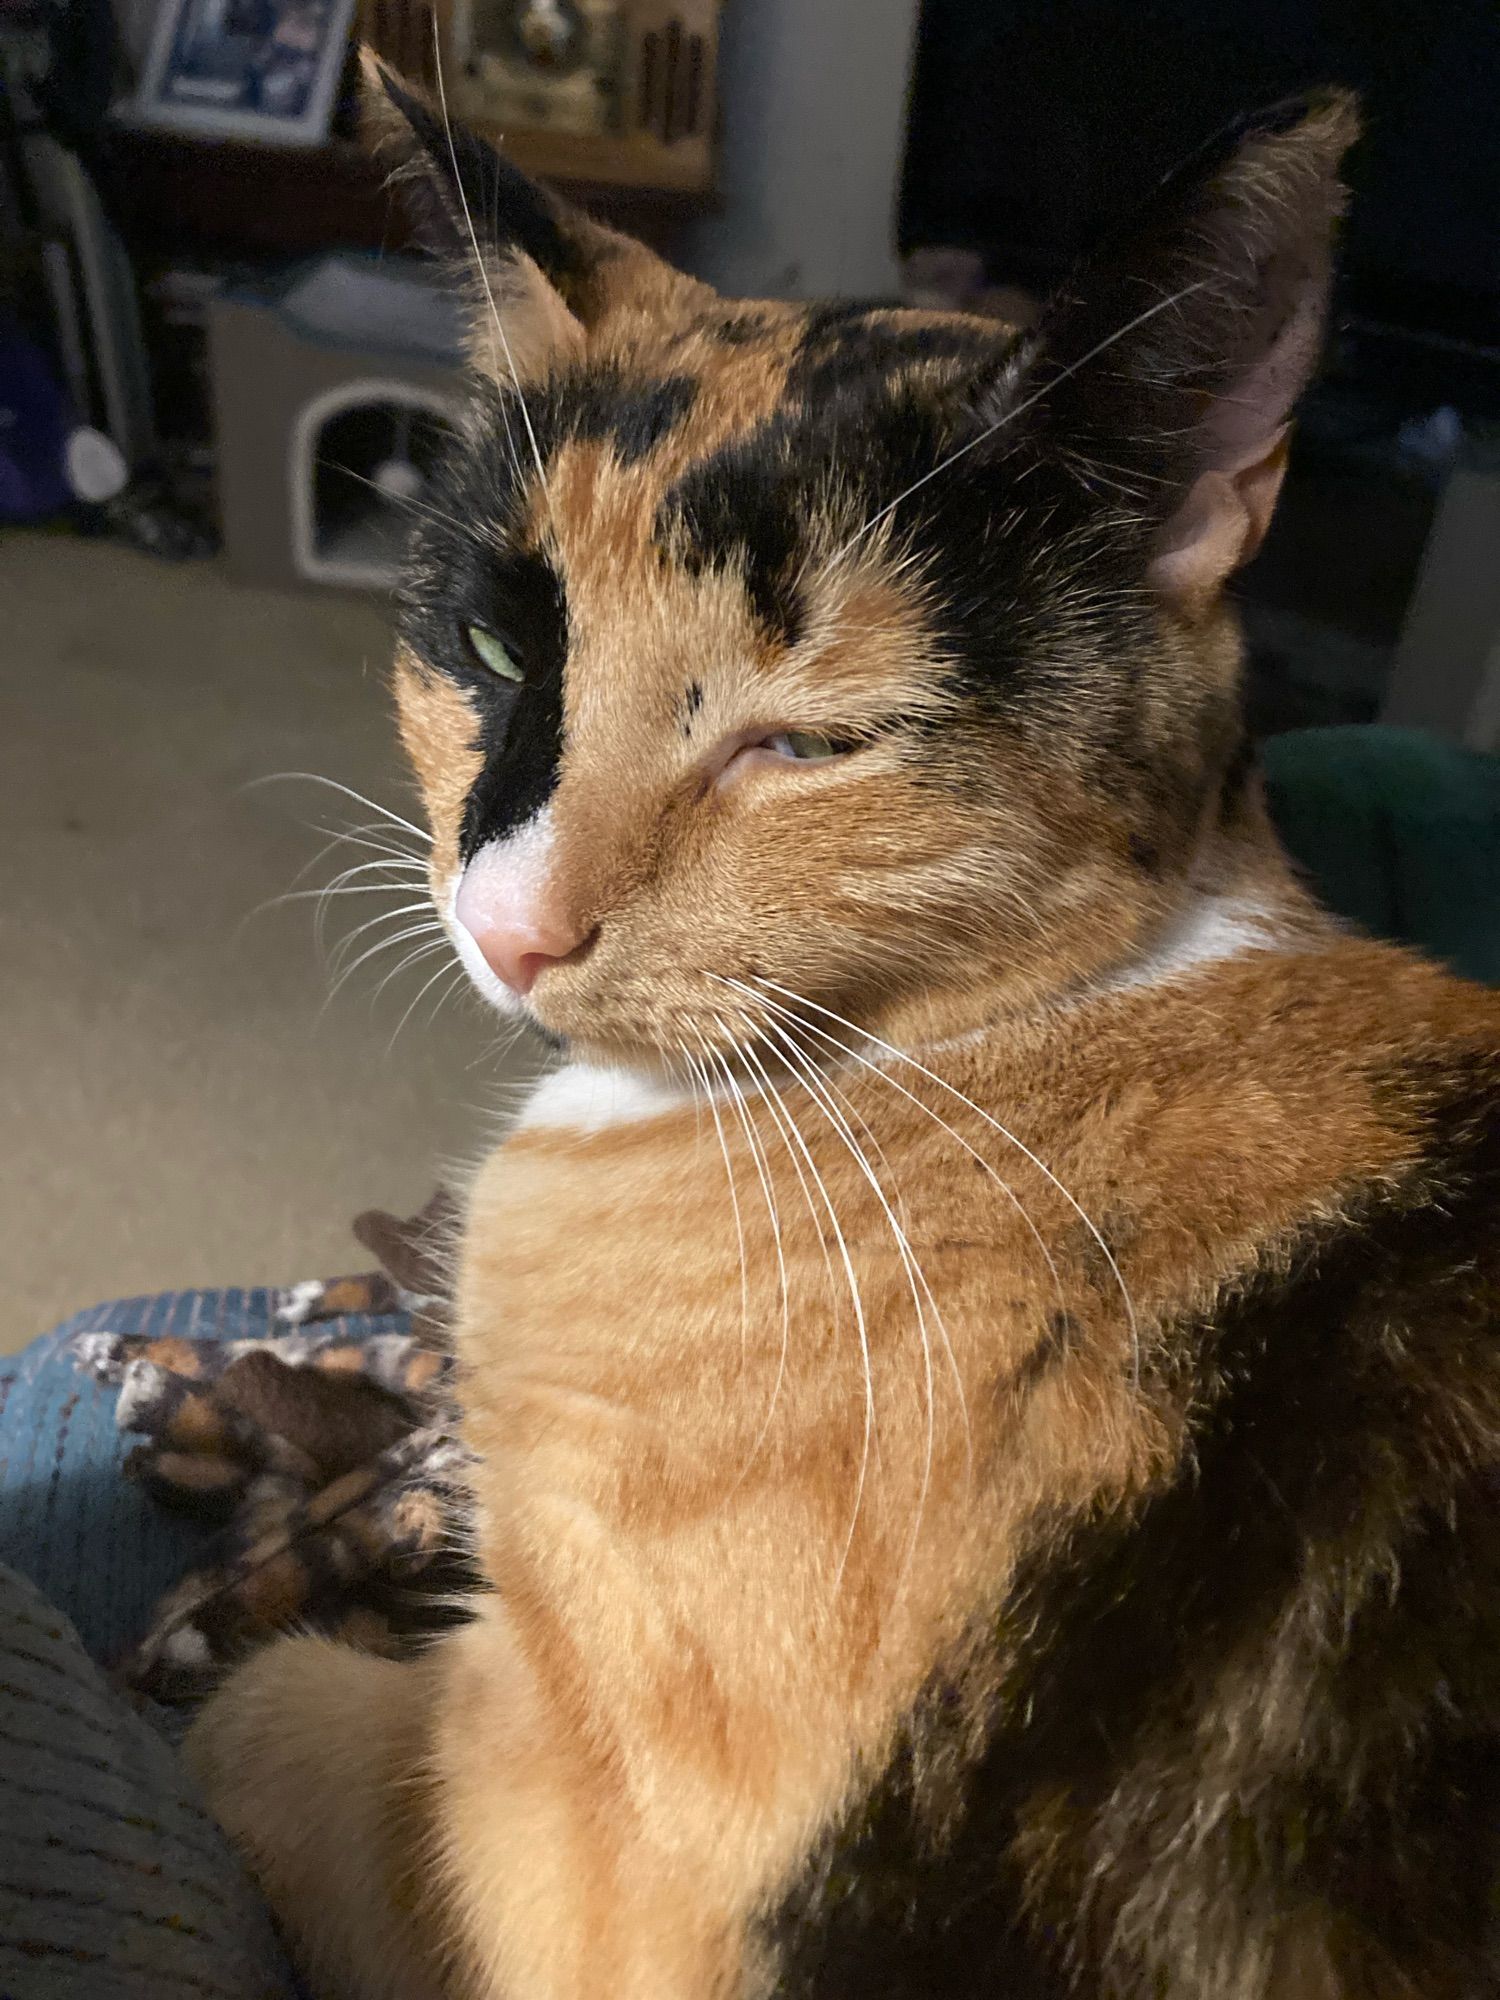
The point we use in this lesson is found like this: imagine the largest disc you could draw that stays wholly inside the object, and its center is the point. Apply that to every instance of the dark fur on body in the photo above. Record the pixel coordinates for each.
(1266, 1692)
(1155, 1658)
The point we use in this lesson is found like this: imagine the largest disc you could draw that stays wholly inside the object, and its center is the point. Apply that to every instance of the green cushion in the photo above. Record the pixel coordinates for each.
(1399, 832)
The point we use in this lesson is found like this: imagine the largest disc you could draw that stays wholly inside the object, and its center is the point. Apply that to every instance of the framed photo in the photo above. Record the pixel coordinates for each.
(244, 69)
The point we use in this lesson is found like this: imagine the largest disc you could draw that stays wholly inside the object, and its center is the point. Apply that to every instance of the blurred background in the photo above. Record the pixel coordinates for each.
(223, 377)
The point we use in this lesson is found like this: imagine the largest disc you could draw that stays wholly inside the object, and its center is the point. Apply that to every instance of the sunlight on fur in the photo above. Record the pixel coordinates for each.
(999, 1286)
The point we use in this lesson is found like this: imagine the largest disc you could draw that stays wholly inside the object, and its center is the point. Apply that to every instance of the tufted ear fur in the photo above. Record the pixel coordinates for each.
(1178, 356)
(542, 277)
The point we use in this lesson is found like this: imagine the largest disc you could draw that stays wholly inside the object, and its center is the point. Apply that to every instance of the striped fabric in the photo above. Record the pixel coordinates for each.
(113, 1883)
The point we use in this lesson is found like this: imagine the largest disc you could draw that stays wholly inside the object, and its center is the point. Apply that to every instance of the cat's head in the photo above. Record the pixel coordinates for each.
(878, 654)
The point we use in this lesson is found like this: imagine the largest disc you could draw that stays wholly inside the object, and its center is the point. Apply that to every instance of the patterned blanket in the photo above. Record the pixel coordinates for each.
(329, 1466)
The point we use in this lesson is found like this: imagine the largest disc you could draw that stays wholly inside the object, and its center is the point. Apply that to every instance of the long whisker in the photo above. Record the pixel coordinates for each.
(395, 887)
(704, 1084)
(773, 1096)
(385, 917)
(480, 266)
(413, 957)
(386, 944)
(358, 837)
(818, 1081)
(1026, 403)
(1041, 1166)
(334, 785)
(386, 852)
(341, 885)
(404, 502)
(422, 991)
(915, 1278)
(768, 1194)
(894, 1083)
(802, 1182)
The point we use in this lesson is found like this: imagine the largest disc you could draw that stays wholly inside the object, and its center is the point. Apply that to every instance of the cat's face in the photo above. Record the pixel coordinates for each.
(875, 654)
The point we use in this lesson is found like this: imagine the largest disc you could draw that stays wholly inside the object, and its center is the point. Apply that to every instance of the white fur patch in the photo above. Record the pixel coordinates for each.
(186, 1647)
(525, 856)
(1207, 929)
(141, 1389)
(100, 1354)
(299, 1302)
(581, 1097)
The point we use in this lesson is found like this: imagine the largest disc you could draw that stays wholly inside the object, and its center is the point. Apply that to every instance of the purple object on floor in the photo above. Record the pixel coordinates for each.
(34, 429)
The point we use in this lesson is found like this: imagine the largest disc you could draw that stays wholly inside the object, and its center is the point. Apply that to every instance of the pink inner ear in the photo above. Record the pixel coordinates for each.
(1220, 525)
(1244, 418)
(1224, 516)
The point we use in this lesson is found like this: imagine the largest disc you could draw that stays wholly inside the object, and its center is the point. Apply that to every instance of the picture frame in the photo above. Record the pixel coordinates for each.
(244, 69)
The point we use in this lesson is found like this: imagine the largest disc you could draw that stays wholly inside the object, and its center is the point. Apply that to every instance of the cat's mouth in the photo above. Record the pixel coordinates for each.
(551, 998)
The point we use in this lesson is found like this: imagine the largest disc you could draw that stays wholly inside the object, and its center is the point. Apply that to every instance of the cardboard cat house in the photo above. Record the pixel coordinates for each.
(334, 391)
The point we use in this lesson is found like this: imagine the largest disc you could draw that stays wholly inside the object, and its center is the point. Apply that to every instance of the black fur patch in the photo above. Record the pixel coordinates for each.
(1054, 1347)
(508, 209)
(524, 749)
(846, 343)
(735, 509)
(741, 328)
(519, 597)
(1348, 1410)
(632, 414)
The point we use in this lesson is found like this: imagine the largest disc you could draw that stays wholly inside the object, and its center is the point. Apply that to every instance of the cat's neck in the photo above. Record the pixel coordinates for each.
(1239, 896)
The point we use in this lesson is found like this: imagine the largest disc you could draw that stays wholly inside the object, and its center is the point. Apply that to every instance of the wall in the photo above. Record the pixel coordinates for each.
(814, 117)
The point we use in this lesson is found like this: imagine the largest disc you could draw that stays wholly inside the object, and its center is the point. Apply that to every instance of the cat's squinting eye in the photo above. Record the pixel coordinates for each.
(492, 653)
(807, 746)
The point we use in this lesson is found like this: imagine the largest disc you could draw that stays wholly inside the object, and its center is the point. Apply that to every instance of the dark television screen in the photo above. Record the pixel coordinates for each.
(1033, 128)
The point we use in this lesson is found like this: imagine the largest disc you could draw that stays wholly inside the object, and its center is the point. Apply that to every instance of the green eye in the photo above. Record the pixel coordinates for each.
(489, 652)
(806, 746)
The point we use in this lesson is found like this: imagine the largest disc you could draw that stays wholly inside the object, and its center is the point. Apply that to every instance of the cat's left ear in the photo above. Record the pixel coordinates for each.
(1176, 360)
(540, 275)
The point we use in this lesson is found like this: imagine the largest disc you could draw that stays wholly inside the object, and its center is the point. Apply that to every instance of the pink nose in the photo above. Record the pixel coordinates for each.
(519, 956)
(518, 935)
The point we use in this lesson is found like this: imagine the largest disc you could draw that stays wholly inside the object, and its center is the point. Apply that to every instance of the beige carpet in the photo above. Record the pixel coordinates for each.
(177, 1105)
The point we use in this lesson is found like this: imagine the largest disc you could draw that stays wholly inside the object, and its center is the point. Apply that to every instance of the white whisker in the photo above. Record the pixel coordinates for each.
(482, 268)
(774, 1098)
(1026, 403)
(762, 1167)
(413, 957)
(333, 784)
(842, 1048)
(422, 991)
(916, 1279)
(386, 944)
(706, 1087)
(1041, 1166)
(385, 917)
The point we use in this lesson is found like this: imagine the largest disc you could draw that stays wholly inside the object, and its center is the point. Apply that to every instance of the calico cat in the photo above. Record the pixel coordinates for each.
(984, 1359)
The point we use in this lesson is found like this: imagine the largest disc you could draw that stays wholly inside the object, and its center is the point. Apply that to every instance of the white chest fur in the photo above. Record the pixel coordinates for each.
(582, 1098)
(1207, 929)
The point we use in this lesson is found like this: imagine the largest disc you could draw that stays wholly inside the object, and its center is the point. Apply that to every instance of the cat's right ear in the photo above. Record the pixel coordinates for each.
(507, 238)
(1172, 364)
(540, 275)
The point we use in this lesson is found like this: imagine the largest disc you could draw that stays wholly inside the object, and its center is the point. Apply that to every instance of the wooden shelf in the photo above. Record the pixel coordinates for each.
(176, 194)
